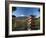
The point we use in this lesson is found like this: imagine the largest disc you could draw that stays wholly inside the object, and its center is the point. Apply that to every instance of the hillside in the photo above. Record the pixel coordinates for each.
(21, 18)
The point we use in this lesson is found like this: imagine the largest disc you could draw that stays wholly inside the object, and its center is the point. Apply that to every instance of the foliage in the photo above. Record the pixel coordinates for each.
(22, 24)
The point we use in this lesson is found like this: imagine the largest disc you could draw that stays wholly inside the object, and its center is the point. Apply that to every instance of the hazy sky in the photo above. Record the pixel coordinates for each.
(26, 11)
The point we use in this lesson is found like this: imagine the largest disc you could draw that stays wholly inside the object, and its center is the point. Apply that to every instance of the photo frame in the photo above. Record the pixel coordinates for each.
(22, 9)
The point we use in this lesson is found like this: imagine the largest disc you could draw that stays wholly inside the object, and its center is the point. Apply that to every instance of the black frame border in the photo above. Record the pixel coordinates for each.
(7, 18)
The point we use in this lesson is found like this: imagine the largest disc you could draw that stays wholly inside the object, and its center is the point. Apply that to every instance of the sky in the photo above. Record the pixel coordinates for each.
(26, 11)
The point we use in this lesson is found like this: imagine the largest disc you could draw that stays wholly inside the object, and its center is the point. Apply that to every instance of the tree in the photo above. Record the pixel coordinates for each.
(13, 9)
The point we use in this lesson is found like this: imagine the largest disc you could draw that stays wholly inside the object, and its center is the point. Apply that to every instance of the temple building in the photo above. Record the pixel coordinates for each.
(31, 22)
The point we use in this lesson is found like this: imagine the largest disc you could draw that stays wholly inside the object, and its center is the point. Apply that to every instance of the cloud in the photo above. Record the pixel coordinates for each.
(22, 15)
